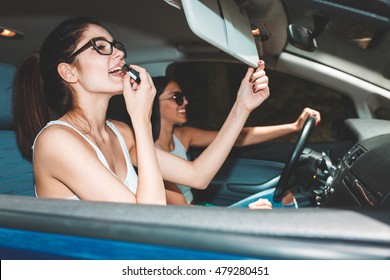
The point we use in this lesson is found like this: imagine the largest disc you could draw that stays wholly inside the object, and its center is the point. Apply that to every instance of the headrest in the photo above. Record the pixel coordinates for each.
(7, 72)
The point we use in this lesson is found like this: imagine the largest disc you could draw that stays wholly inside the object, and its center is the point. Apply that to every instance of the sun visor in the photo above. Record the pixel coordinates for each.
(222, 24)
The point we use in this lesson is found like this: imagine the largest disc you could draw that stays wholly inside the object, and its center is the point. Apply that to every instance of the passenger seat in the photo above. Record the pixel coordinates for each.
(16, 173)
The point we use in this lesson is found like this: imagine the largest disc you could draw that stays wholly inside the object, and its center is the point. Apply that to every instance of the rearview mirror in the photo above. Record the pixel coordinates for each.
(301, 38)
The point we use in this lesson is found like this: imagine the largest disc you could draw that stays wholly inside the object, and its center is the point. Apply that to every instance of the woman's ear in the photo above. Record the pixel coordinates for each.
(67, 72)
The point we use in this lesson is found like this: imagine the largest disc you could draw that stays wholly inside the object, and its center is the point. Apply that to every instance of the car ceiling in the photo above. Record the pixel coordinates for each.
(146, 27)
(155, 32)
(151, 30)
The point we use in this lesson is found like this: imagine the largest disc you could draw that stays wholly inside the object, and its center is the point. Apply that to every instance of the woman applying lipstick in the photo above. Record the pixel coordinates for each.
(61, 95)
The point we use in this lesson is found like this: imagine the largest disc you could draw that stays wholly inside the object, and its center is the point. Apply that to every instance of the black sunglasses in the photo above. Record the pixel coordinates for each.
(178, 96)
(101, 45)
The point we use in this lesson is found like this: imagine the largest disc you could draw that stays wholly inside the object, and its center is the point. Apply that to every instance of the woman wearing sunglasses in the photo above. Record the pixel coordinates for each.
(61, 95)
(169, 111)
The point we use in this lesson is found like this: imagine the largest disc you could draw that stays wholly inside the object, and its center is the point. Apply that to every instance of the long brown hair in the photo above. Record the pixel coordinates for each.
(39, 93)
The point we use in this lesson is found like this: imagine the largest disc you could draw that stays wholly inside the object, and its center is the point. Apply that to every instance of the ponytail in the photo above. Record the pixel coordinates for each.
(31, 112)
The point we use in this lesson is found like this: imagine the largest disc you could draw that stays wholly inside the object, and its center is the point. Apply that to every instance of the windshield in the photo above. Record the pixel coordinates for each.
(348, 44)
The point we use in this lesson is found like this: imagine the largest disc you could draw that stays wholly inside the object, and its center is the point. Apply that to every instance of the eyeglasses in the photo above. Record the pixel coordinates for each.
(178, 96)
(101, 45)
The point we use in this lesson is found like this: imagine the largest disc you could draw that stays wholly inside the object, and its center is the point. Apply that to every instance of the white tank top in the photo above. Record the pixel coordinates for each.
(131, 180)
(180, 151)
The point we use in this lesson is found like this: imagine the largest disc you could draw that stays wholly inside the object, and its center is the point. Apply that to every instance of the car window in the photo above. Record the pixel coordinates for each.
(211, 89)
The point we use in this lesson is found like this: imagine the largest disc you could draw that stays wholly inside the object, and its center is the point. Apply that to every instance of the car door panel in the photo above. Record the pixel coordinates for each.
(249, 170)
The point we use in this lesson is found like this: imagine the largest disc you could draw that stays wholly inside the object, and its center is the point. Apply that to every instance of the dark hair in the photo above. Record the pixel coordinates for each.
(40, 94)
(160, 83)
(117, 107)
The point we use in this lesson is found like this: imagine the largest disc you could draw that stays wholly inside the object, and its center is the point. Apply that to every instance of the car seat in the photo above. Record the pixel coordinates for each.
(16, 173)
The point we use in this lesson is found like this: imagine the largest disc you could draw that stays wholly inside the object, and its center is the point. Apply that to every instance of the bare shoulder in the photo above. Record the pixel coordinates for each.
(58, 152)
(126, 131)
(184, 129)
(194, 136)
(56, 139)
(183, 132)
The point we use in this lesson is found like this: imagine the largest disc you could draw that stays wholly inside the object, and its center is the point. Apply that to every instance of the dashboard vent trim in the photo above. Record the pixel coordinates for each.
(353, 155)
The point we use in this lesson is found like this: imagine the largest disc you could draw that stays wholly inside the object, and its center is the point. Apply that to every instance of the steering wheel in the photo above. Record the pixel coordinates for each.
(282, 186)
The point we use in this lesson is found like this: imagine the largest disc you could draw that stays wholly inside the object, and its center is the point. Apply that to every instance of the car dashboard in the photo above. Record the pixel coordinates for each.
(361, 177)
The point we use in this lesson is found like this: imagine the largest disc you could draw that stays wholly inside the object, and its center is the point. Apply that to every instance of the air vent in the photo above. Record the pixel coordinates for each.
(353, 155)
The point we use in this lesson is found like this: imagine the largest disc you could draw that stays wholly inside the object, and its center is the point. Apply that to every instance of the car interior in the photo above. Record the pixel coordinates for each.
(16, 172)
(340, 182)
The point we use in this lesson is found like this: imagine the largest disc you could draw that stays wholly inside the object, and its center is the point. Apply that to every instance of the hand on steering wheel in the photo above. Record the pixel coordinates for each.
(282, 187)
